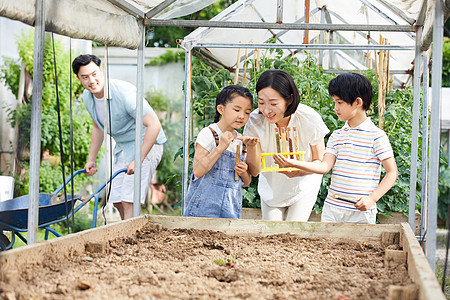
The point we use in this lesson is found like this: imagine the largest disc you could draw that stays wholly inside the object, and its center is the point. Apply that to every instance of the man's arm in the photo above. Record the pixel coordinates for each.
(364, 203)
(153, 125)
(96, 143)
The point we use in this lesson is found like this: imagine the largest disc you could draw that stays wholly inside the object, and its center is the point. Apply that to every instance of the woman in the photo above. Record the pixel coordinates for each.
(288, 195)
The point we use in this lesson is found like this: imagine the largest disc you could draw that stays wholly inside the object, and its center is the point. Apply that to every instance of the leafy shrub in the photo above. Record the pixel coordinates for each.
(82, 124)
(312, 82)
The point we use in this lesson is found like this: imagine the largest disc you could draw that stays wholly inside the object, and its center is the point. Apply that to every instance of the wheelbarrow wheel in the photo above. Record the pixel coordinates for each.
(4, 241)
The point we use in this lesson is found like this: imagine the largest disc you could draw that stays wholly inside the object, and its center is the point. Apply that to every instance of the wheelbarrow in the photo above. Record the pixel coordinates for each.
(52, 210)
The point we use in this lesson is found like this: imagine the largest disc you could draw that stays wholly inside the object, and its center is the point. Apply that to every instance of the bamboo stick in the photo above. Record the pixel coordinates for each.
(238, 159)
(257, 58)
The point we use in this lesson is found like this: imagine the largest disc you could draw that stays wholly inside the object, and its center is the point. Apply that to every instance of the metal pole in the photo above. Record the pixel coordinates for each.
(424, 193)
(287, 26)
(304, 46)
(415, 133)
(187, 114)
(436, 85)
(36, 116)
(138, 137)
(321, 35)
(279, 11)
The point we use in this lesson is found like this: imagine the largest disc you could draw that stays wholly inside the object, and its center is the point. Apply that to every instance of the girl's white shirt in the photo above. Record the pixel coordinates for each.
(275, 189)
(206, 139)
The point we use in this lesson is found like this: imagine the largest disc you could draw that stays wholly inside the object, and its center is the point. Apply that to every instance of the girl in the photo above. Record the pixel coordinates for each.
(214, 190)
(291, 195)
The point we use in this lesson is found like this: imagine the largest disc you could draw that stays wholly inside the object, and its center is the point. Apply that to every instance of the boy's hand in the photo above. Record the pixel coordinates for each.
(364, 203)
(241, 168)
(248, 140)
(225, 140)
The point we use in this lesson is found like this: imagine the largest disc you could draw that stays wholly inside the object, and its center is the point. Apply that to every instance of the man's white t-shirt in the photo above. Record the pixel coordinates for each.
(100, 109)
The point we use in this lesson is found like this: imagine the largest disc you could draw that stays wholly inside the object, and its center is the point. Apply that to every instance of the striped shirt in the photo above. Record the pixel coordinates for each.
(359, 152)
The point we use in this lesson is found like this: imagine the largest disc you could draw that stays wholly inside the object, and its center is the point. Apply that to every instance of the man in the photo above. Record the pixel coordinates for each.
(122, 127)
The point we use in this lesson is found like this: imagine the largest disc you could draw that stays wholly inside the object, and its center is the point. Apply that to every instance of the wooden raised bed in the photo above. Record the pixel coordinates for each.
(14, 263)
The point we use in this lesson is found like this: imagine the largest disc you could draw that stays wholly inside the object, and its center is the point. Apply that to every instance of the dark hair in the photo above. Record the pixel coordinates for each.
(228, 93)
(282, 82)
(84, 60)
(350, 86)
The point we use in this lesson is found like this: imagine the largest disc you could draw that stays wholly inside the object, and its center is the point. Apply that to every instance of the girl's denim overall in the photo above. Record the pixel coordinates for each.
(216, 194)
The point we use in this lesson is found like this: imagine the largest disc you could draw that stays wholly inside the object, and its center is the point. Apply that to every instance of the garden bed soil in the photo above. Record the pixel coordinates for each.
(159, 263)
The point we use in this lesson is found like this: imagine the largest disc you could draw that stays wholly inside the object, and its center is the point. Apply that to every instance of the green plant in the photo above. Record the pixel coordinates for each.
(21, 116)
(169, 169)
(169, 57)
(229, 262)
(313, 85)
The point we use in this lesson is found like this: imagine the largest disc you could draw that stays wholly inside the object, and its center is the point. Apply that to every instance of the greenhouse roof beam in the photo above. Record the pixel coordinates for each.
(284, 26)
(397, 11)
(364, 35)
(158, 8)
(305, 46)
(131, 7)
(422, 14)
(383, 15)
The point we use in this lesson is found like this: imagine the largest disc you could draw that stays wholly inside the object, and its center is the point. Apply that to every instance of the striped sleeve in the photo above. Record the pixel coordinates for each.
(382, 146)
(331, 144)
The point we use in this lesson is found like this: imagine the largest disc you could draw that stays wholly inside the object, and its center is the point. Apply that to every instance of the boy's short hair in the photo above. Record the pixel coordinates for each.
(350, 86)
(84, 60)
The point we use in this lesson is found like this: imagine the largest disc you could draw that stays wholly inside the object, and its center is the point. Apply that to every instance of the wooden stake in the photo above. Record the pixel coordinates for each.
(258, 65)
(238, 159)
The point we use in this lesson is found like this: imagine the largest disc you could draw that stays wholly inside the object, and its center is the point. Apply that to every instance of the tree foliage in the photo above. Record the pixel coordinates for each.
(51, 176)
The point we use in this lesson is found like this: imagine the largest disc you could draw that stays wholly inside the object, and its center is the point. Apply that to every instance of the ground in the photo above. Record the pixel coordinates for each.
(158, 263)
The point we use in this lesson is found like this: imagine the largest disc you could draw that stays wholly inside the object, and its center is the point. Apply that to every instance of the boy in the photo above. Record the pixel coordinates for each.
(355, 152)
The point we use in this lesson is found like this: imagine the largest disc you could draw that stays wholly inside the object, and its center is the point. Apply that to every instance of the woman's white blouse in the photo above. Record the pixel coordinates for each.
(275, 189)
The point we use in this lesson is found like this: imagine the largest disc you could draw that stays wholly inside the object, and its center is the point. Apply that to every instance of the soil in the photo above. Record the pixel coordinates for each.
(158, 263)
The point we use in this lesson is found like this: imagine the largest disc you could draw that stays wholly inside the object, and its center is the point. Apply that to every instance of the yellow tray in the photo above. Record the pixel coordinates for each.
(276, 168)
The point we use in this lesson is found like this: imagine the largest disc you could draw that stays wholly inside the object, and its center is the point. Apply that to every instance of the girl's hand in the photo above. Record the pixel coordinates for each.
(225, 140)
(241, 168)
(248, 140)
